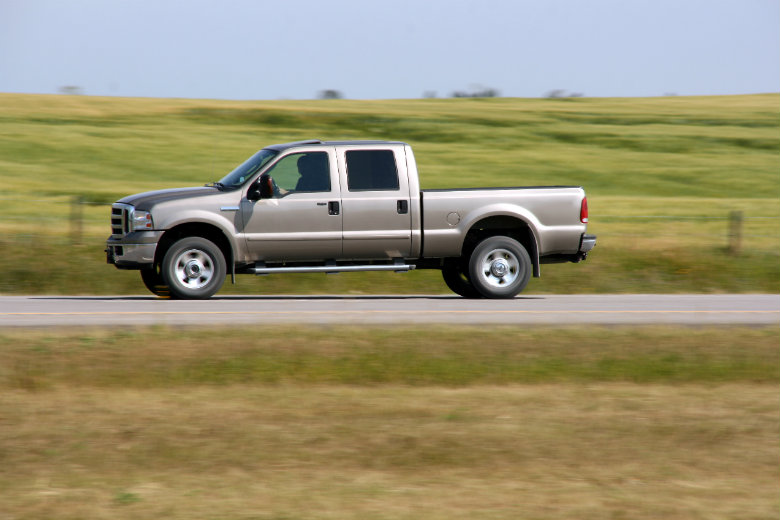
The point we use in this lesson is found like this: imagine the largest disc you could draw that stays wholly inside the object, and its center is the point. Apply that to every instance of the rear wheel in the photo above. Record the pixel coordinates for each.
(153, 281)
(455, 277)
(499, 267)
(193, 268)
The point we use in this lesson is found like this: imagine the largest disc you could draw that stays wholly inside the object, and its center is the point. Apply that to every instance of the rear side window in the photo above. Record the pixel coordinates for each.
(371, 170)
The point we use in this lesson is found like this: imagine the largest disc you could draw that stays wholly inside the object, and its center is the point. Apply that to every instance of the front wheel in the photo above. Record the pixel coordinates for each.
(499, 267)
(193, 268)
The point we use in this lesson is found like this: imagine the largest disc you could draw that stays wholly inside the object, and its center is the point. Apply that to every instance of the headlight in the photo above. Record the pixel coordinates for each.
(140, 220)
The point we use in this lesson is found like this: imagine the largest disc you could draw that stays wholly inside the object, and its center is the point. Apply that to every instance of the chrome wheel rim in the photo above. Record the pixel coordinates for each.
(500, 268)
(194, 269)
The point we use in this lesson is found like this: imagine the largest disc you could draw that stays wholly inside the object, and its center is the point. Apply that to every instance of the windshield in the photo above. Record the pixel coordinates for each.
(239, 176)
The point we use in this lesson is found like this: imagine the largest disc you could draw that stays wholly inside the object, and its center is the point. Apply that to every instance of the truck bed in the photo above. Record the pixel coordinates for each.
(551, 212)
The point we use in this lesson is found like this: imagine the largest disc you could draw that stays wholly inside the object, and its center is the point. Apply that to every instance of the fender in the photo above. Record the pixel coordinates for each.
(500, 210)
(505, 210)
(227, 226)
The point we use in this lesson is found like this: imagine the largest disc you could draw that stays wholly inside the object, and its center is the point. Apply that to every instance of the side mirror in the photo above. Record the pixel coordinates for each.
(253, 193)
(261, 189)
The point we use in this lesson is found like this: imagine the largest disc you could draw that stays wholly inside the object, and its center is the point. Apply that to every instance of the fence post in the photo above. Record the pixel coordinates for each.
(735, 232)
(76, 219)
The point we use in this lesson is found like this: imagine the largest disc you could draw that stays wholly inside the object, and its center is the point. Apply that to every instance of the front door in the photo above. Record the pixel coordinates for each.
(303, 219)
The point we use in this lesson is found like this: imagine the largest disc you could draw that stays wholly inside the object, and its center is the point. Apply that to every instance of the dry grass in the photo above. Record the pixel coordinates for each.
(339, 452)
(396, 423)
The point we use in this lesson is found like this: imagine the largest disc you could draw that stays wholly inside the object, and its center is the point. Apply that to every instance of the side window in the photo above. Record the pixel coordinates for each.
(302, 172)
(371, 170)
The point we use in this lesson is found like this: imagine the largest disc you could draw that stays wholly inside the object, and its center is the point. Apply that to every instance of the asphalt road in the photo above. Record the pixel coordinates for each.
(679, 309)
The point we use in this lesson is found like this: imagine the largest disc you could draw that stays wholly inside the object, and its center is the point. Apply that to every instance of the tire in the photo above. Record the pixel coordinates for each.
(455, 277)
(499, 267)
(154, 282)
(193, 269)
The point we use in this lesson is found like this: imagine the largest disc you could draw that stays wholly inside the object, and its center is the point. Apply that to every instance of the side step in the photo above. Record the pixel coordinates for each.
(261, 269)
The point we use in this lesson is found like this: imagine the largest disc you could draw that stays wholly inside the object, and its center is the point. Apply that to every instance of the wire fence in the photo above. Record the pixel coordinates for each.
(17, 221)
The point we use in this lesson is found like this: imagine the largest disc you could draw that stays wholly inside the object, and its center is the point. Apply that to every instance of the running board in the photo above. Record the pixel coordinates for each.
(260, 269)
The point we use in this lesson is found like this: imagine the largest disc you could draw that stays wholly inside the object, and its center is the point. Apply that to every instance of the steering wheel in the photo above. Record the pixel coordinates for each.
(274, 187)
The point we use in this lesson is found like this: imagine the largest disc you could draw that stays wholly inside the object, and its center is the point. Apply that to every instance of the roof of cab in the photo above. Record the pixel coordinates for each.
(311, 142)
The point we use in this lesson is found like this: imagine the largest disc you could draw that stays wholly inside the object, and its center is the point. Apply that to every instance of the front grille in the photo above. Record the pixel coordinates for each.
(120, 224)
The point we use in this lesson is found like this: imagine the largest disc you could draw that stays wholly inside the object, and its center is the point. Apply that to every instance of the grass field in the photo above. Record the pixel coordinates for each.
(662, 176)
(362, 423)
(393, 423)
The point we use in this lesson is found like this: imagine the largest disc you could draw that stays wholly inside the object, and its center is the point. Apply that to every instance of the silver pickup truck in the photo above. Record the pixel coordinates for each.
(316, 206)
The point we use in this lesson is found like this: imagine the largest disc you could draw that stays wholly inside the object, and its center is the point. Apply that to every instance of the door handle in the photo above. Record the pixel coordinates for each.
(333, 208)
(403, 206)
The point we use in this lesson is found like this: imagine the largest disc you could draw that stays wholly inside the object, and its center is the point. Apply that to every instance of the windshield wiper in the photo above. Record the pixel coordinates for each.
(216, 184)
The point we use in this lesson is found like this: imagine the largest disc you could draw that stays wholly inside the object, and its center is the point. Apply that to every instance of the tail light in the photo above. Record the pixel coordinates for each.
(584, 210)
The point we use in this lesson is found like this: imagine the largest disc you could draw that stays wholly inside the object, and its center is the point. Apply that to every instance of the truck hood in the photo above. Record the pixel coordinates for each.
(145, 201)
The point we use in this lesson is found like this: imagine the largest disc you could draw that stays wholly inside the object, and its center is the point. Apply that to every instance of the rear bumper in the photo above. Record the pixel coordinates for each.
(132, 251)
(587, 242)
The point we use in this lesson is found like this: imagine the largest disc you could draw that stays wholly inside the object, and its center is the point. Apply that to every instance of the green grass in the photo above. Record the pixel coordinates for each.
(696, 147)
(161, 357)
(681, 157)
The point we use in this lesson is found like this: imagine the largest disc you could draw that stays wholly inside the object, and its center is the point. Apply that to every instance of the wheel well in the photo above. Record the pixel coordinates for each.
(502, 225)
(194, 229)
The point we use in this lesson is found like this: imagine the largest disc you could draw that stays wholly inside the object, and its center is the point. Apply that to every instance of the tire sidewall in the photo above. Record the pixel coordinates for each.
(483, 249)
(456, 277)
(153, 281)
(180, 291)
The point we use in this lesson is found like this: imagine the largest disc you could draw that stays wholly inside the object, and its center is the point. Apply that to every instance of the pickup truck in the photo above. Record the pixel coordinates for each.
(335, 206)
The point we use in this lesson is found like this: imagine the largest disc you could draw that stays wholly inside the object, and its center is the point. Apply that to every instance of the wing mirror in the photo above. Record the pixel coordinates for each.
(261, 189)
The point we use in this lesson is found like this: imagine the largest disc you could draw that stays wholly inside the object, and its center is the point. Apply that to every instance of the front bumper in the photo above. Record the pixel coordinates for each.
(134, 250)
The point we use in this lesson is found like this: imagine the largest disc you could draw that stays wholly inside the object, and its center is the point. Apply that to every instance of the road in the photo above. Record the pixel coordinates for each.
(679, 309)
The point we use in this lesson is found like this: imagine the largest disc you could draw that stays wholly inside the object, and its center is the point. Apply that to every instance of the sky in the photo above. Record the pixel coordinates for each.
(260, 49)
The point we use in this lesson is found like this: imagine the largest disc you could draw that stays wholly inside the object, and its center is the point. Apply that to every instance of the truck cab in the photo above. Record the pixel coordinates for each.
(349, 201)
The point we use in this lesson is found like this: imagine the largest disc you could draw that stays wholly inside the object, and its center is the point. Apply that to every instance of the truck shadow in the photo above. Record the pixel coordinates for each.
(266, 297)
(360, 297)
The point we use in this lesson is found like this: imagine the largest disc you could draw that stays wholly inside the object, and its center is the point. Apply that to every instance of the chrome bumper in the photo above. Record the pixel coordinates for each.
(587, 242)
(134, 250)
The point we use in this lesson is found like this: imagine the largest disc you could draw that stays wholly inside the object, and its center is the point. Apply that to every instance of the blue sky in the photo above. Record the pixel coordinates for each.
(242, 49)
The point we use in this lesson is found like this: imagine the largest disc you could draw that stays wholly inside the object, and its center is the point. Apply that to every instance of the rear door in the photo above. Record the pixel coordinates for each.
(375, 200)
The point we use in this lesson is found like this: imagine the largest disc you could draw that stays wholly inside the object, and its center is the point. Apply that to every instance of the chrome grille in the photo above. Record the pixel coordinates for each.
(120, 223)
